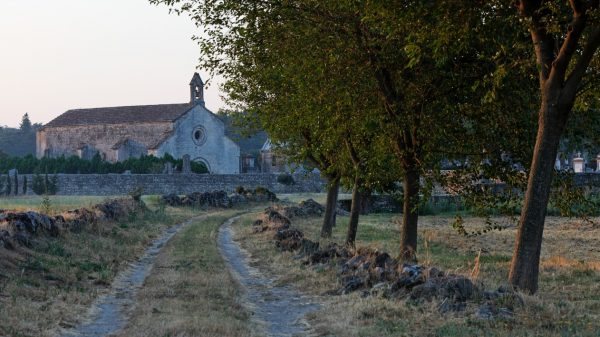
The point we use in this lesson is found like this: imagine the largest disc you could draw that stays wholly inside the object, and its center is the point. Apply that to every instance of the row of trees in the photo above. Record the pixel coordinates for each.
(19, 141)
(75, 165)
(40, 185)
(375, 92)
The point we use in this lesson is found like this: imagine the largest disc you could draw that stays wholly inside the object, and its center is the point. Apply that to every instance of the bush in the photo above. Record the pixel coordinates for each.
(286, 179)
(75, 165)
(44, 185)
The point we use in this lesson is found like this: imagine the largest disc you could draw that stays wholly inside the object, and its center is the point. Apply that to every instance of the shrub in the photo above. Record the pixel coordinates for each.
(136, 193)
(44, 185)
(286, 179)
(8, 186)
(75, 165)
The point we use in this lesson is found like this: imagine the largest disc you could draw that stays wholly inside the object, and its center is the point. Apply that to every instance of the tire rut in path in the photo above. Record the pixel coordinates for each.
(110, 312)
(280, 308)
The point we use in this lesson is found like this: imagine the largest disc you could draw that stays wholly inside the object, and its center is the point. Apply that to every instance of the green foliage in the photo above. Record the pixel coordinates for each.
(75, 165)
(44, 185)
(136, 194)
(19, 141)
(25, 125)
(37, 185)
(16, 188)
(8, 186)
(286, 179)
(46, 206)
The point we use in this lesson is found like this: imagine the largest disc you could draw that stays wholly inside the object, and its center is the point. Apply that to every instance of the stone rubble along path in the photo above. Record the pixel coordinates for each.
(110, 312)
(280, 308)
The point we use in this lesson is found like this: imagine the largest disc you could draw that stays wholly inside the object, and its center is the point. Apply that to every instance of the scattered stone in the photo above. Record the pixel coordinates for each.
(307, 248)
(289, 239)
(31, 222)
(351, 283)
(307, 208)
(6, 240)
(172, 200)
(489, 311)
(219, 199)
(118, 208)
(376, 273)
(20, 228)
(76, 220)
(332, 251)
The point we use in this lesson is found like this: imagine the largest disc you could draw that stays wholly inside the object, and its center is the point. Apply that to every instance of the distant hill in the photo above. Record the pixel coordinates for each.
(17, 142)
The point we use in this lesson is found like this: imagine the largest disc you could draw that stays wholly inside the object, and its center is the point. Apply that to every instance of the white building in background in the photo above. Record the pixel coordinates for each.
(119, 133)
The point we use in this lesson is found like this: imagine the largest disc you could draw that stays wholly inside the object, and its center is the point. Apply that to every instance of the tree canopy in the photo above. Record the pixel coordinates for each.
(375, 91)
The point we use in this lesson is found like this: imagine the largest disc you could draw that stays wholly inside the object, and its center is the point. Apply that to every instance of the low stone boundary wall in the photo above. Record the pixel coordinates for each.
(122, 184)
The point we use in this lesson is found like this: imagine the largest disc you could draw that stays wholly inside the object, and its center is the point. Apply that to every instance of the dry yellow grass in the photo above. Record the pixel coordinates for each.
(568, 302)
(190, 291)
(52, 284)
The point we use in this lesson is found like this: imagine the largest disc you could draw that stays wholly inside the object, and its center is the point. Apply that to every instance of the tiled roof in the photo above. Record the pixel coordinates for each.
(121, 115)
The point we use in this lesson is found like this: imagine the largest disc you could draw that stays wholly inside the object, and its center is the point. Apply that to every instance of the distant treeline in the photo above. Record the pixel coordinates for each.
(19, 141)
(75, 165)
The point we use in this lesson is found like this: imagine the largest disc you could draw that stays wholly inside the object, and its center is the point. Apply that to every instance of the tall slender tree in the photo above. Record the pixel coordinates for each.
(25, 125)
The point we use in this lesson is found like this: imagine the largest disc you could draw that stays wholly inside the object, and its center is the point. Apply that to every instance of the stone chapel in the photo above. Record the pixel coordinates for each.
(119, 133)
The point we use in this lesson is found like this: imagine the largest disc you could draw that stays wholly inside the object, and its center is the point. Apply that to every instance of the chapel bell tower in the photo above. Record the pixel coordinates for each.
(196, 90)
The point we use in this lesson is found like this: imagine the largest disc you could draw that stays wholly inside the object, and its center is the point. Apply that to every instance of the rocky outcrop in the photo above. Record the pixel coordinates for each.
(375, 273)
(219, 199)
(22, 228)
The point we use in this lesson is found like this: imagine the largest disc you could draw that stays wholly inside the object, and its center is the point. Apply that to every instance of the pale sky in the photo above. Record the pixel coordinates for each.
(57, 55)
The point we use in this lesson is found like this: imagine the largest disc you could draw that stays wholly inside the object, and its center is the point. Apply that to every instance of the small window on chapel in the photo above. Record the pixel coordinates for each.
(199, 135)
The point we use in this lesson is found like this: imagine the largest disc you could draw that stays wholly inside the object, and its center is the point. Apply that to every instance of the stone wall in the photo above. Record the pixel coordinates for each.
(65, 141)
(122, 184)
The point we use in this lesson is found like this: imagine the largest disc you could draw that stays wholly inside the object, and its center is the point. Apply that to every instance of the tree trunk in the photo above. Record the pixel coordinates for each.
(330, 207)
(410, 216)
(365, 202)
(354, 214)
(526, 258)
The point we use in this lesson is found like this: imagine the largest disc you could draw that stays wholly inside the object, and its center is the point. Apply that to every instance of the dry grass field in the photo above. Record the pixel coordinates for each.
(52, 284)
(568, 302)
(190, 291)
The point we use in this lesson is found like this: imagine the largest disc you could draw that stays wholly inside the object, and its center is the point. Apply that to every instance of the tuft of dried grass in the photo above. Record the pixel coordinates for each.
(190, 291)
(567, 302)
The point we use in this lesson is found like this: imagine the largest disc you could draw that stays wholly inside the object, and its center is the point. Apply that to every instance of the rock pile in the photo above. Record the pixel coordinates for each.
(376, 273)
(304, 209)
(219, 199)
(271, 220)
(118, 208)
(20, 228)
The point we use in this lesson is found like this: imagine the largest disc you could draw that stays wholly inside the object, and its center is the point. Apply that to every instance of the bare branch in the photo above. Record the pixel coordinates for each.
(574, 79)
(569, 45)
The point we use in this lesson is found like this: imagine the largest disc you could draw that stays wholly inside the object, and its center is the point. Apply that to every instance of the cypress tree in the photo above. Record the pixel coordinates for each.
(8, 185)
(16, 189)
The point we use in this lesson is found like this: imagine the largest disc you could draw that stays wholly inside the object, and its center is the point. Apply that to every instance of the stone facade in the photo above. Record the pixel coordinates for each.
(120, 133)
(201, 135)
(122, 184)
